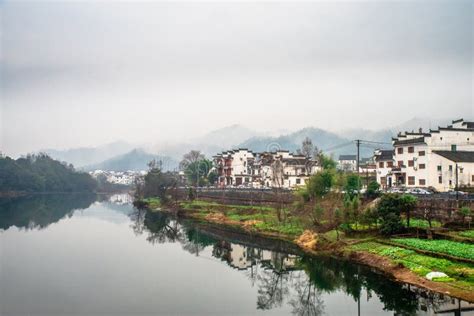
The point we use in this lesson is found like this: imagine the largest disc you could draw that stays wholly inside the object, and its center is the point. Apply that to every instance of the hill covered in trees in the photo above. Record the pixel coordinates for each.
(41, 173)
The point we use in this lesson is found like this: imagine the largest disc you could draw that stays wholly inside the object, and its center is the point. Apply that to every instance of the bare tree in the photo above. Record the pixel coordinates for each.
(191, 157)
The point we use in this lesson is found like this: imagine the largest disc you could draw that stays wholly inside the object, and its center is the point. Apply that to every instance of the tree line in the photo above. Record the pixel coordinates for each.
(41, 173)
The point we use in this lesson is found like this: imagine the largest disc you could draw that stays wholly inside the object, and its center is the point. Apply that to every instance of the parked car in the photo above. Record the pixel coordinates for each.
(453, 192)
(398, 190)
(419, 191)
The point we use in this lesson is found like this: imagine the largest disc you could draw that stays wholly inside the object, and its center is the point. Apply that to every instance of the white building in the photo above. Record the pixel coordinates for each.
(347, 163)
(383, 167)
(235, 167)
(421, 158)
(284, 169)
(271, 169)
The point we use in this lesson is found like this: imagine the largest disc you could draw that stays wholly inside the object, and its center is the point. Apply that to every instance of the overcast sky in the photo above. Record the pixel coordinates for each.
(84, 74)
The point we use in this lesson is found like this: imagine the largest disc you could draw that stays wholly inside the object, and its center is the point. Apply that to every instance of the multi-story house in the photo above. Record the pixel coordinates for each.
(235, 167)
(383, 167)
(421, 158)
(347, 163)
(271, 169)
(284, 169)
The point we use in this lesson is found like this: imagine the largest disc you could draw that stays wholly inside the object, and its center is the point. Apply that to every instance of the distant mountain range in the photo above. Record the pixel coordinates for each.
(135, 160)
(84, 156)
(124, 156)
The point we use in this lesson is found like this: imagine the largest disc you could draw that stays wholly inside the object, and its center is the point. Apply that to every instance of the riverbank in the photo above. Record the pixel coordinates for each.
(401, 264)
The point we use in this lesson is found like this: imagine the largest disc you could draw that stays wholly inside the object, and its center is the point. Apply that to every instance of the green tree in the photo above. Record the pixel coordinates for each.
(157, 183)
(465, 211)
(321, 183)
(373, 189)
(327, 162)
(388, 210)
(199, 173)
(353, 185)
(407, 205)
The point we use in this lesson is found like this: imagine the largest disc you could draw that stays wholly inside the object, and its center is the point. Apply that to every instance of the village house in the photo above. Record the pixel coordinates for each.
(383, 167)
(432, 159)
(280, 169)
(235, 167)
(347, 163)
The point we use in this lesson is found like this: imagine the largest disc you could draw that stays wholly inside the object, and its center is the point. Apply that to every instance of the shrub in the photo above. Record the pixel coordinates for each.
(373, 189)
(391, 224)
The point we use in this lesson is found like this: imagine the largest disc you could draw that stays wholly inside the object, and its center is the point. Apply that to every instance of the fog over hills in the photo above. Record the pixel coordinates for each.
(125, 156)
(135, 160)
(84, 156)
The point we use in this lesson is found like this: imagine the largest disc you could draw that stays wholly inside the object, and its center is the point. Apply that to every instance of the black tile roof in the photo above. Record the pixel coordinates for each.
(384, 155)
(347, 157)
(418, 140)
(456, 156)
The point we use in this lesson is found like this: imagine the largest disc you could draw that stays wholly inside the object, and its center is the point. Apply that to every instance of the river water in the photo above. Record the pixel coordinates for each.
(90, 255)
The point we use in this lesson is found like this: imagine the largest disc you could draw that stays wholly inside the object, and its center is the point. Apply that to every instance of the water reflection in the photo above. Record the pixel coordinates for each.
(39, 211)
(293, 279)
(132, 261)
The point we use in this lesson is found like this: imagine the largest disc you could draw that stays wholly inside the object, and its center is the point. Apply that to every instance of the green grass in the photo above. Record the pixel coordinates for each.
(423, 223)
(196, 204)
(153, 202)
(453, 248)
(291, 228)
(265, 215)
(467, 233)
(421, 264)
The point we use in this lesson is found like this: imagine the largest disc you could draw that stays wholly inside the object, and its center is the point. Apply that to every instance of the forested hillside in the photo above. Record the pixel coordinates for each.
(41, 173)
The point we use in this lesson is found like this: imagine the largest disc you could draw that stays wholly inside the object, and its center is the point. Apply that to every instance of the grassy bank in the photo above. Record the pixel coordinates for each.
(405, 259)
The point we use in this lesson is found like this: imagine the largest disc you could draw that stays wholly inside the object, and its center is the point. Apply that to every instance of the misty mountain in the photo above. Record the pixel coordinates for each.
(330, 143)
(84, 156)
(136, 160)
(211, 143)
(385, 135)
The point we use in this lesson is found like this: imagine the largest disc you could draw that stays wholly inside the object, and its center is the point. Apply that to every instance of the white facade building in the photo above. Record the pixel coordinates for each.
(421, 158)
(235, 167)
(347, 163)
(383, 167)
(280, 169)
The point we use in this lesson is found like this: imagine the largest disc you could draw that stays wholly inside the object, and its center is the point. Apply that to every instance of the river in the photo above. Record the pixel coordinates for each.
(96, 255)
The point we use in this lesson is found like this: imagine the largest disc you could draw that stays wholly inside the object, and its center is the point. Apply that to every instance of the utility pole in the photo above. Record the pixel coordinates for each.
(457, 188)
(357, 164)
(358, 154)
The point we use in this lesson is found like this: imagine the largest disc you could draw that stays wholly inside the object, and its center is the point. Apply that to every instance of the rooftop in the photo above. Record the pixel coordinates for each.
(347, 157)
(456, 156)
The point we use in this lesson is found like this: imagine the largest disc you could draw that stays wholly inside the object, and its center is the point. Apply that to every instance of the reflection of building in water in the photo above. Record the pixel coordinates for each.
(243, 257)
(431, 303)
(121, 199)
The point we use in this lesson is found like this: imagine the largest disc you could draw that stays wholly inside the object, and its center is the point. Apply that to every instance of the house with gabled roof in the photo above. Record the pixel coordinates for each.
(420, 158)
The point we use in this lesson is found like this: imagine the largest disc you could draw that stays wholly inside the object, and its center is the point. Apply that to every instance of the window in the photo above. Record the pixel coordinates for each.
(383, 180)
(450, 167)
(422, 181)
(450, 182)
(298, 181)
(400, 150)
(411, 149)
(389, 164)
(453, 147)
(421, 153)
(411, 180)
(381, 164)
(472, 178)
(411, 163)
(439, 169)
(422, 166)
(440, 179)
(400, 163)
